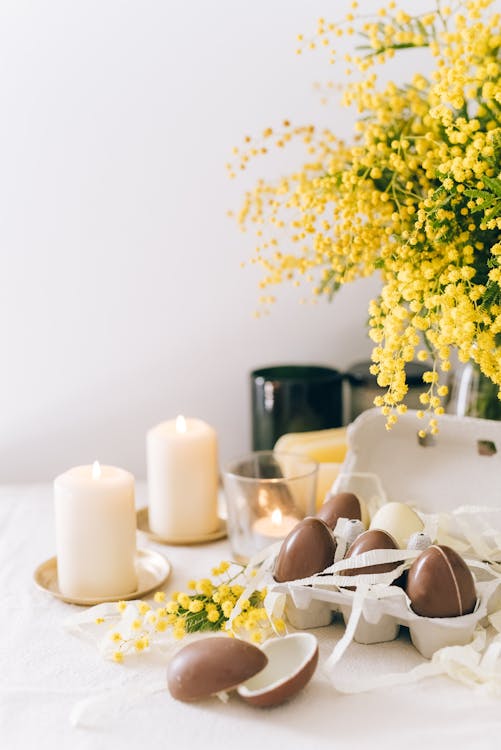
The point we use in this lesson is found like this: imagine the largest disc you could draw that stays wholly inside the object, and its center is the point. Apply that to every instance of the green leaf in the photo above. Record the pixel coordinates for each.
(485, 204)
(493, 183)
(494, 212)
(492, 295)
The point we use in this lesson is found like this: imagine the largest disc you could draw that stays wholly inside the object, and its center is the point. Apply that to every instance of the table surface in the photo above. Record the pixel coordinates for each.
(44, 671)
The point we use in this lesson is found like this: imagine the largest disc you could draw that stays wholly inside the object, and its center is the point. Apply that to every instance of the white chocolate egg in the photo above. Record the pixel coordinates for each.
(398, 520)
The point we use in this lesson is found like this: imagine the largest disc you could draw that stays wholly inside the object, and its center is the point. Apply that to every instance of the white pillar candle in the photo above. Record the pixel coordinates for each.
(95, 532)
(182, 478)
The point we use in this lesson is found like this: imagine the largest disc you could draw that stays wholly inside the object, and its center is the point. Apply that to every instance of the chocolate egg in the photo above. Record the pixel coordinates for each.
(369, 540)
(291, 663)
(211, 665)
(308, 549)
(342, 505)
(440, 584)
(399, 520)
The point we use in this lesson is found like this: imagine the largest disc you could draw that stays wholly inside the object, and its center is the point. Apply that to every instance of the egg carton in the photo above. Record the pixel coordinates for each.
(383, 610)
(460, 466)
(453, 480)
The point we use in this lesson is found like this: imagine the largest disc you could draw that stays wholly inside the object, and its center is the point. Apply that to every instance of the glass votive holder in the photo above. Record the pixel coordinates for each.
(267, 494)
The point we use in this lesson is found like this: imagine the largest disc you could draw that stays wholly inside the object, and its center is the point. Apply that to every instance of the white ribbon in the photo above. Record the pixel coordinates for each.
(274, 604)
(332, 576)
(83, 625)
(465, 664)
(468, 529)
(341, 543)
(344, 642)
(256, 576)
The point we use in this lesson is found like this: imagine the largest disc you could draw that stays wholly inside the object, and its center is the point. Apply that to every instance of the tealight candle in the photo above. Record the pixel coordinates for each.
(183, 478)
(272, 528)
(95, 532)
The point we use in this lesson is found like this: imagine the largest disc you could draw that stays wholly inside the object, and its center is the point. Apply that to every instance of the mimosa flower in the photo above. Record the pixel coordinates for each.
(415, 197)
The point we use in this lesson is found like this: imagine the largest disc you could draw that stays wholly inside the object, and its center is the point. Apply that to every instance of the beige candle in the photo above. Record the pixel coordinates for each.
(95, 532)
(182, 478)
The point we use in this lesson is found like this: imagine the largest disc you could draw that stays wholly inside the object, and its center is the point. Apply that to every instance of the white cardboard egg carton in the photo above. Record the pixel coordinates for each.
(462, 468)
(384, 609)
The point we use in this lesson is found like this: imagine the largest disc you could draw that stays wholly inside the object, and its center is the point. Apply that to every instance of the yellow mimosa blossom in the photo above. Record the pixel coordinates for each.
(183, 600)
(209, 607)
(415, 198)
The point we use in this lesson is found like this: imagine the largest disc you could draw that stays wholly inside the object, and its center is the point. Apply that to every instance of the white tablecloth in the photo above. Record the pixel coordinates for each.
(44, 671)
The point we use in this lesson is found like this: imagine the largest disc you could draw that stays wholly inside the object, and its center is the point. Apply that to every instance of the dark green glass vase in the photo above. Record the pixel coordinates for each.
(293, 398)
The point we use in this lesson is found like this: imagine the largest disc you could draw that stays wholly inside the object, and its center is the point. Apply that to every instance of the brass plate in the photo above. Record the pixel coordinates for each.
(144, 526)
(153, 569)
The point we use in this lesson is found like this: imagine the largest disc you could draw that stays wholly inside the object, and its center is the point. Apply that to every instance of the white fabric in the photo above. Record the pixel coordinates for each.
(45, 671)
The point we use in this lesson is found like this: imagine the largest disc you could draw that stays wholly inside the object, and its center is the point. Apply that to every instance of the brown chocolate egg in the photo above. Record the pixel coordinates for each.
(342, 505)
(291, 663)
(211, 665)
(308, 549)
(369, 540)
(440, 584)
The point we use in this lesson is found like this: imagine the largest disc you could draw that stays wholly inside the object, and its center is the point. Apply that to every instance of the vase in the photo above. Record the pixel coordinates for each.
(294, 398)
(473, 394)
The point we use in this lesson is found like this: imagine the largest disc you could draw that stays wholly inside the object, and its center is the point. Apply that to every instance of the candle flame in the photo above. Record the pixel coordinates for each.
(180, 424)
(96, 470)
(276, 517)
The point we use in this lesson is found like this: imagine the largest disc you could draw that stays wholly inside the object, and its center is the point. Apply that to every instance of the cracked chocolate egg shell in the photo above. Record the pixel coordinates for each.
(369, 540)
(440, 584)
(212, 665)
(342, 505)
(291, 664)
(308, 549)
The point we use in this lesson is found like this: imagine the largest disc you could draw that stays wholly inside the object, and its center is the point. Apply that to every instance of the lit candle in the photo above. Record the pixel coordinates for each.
(95, 532)
(276, 526)
(182, 478)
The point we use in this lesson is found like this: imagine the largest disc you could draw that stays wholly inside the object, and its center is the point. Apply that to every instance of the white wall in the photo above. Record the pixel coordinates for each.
(122, 301)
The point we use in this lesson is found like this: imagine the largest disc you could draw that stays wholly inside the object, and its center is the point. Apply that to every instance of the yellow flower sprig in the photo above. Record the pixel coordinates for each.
(416, 197)
(207, 606)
